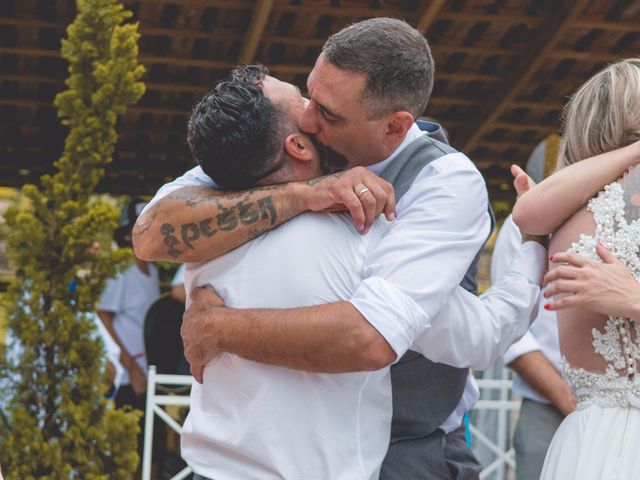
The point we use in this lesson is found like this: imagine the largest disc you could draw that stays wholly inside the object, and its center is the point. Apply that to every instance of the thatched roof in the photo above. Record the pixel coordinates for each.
(504, 71)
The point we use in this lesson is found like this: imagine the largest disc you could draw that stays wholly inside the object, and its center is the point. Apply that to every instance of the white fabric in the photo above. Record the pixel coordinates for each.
(128, 296)
(252, 420)
(113, 353)
(596, 443)
(442, 223)
(501, 315)
(250, 410)
(178, 277)
(543, 334)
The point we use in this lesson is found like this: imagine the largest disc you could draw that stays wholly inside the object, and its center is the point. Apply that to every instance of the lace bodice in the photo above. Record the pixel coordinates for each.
(615, 212)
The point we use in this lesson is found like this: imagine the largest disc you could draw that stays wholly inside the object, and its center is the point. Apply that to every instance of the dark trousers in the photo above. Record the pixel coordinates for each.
(438, 456)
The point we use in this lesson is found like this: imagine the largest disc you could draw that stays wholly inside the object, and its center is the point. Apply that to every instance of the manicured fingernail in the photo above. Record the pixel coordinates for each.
(551, 258)
(547, 306)
(545, 294)
(393, 215)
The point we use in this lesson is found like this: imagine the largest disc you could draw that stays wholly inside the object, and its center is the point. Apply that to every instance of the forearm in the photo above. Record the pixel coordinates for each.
(536, 370)
(326, 338)
(107, 320)
(543, 208)
(199, 223)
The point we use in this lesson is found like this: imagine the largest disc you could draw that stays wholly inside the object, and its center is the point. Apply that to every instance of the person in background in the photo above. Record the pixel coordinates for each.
(535, 358)
(122, 309)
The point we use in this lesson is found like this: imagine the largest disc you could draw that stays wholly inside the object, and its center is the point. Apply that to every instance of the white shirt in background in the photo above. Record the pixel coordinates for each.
(128, 296)
(543, 334)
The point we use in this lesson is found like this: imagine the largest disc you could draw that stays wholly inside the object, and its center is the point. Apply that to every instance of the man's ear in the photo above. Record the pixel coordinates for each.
(298, 146)
(397, 126)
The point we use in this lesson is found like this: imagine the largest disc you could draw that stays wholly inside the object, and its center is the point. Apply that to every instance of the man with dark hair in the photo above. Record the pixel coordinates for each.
(442, 223)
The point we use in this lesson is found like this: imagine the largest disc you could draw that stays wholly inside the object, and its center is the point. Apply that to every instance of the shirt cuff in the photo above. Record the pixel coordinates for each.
(397, 317)
(531, 261)
(526, 344)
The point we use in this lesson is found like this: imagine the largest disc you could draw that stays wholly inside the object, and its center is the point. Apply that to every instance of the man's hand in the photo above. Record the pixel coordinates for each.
(198, 329)
(357, 190)
(606, 288)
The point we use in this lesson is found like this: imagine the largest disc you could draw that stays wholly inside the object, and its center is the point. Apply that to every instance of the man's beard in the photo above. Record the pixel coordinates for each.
(330, 160)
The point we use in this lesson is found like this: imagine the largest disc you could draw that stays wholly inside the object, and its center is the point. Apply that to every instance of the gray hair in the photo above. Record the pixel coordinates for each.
(395, 59)
(603, 115)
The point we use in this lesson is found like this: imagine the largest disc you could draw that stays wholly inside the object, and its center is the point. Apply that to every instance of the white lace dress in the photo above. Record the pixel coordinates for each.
(601, 439)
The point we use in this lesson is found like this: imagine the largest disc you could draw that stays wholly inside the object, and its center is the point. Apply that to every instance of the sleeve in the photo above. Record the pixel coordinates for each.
(505, 249)
(473, 332)
(112, 296)
(442, 222)
(192, 178)
(528, 343)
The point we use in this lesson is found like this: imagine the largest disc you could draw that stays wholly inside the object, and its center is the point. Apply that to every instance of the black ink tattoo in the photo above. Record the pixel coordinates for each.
(205, 227)
(189, 232)
(267, 209)
(247, 212)
(170, 240)
(227, 220)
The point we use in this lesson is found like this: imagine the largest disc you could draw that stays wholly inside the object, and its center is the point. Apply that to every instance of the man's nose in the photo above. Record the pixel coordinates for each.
(307, 121)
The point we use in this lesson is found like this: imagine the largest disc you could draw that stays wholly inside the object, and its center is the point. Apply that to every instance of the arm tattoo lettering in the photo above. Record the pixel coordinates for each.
(205, 227)
(267, 209)
(228, 220)
(190, 232)
(170, 240)
(247, 212)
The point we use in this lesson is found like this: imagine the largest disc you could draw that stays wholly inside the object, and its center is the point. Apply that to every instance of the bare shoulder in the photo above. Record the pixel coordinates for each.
(579, 223)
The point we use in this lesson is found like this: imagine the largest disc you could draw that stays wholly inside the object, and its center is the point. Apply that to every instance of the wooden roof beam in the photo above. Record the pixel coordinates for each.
(428, 14)
(261, 13)
(521, 73)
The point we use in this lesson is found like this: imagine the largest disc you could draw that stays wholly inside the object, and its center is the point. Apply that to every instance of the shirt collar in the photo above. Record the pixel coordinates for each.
(413, 133)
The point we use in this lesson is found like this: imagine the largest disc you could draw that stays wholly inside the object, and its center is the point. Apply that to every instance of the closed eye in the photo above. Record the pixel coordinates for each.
(330, 117)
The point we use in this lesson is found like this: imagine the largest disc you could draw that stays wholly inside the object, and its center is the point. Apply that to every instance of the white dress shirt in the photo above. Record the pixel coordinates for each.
(543, 334)
(442, 222)
(253, 420)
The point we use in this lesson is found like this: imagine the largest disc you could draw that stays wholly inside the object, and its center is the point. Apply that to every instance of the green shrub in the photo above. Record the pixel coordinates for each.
(55, 422)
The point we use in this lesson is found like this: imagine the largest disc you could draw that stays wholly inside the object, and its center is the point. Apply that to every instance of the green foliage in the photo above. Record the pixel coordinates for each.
(55, 422)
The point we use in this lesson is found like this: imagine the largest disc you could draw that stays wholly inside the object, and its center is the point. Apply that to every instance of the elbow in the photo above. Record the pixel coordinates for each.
(377, 353)
(145, 247)
(528, 220)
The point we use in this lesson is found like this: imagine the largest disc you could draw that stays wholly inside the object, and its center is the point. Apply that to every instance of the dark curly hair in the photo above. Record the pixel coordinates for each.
(236, 133)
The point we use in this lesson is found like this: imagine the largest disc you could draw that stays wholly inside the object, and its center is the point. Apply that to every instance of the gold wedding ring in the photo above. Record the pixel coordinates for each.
(362, 192)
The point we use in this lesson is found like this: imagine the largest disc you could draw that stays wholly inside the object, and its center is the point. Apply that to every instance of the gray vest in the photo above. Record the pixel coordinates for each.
(425, 393)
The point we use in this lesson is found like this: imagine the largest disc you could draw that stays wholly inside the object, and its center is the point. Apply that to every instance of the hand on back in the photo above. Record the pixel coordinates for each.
(357, 190)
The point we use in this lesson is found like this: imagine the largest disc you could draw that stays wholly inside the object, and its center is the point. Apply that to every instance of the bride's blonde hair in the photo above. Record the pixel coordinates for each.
(604, 114)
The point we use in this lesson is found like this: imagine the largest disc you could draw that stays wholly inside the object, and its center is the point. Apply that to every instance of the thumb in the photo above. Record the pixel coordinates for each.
(605, 255)
(516, 171)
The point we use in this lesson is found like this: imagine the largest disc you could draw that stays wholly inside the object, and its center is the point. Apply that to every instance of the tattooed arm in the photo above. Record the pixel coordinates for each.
(197, 223)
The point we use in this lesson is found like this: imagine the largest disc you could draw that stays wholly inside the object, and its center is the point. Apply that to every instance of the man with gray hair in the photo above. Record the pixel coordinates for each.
(370, 83)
